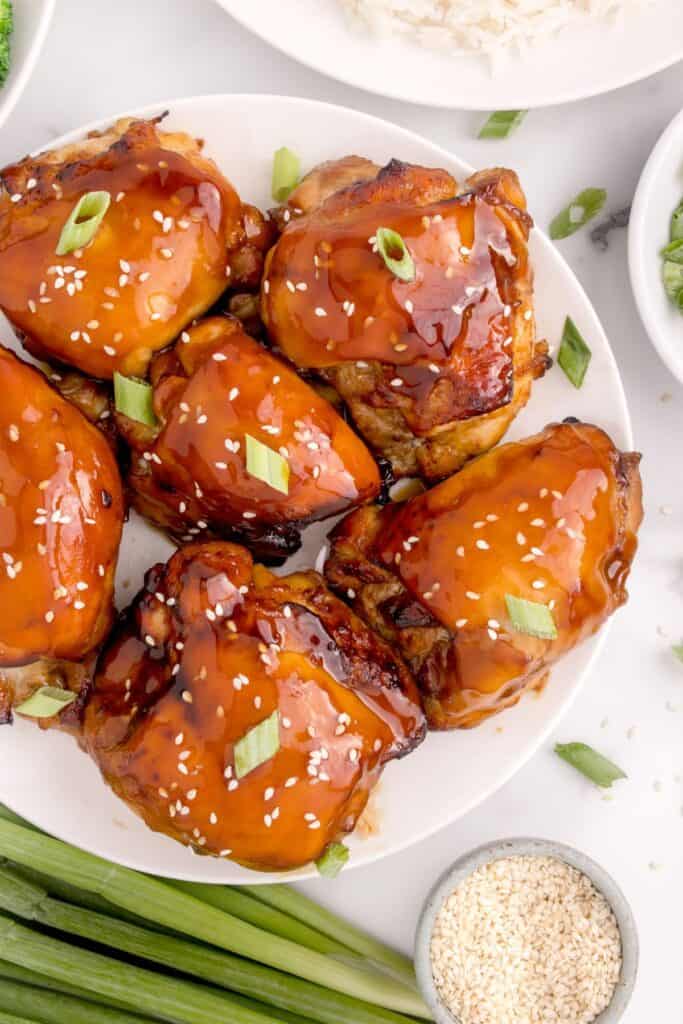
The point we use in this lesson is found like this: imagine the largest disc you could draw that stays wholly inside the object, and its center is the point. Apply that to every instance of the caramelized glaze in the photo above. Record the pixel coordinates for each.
(212, 647)
(552, 519)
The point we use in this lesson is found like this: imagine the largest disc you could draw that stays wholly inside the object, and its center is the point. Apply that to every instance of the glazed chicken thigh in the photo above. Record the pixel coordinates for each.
(245, 715)
(173, 236)
(61, 515)
(551, 520)
(433, 361)
(221, 400)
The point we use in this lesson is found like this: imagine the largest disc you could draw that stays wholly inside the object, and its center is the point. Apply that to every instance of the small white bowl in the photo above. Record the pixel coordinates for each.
(31, 22)
(659, 191)
(469, 862)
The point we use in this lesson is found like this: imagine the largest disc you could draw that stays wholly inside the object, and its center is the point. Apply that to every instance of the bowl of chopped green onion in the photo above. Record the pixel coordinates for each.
(656, 246)
(23, 28)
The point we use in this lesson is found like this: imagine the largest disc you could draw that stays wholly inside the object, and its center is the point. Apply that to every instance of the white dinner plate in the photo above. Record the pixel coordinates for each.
(46, 778)
(659, 192)
(584, 60)
(31, 21)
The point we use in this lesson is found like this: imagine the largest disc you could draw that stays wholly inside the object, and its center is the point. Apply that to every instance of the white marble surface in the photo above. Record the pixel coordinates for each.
(103, 58)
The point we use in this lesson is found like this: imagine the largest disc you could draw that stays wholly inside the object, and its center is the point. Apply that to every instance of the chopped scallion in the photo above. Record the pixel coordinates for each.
(83, 222)
(674, 251)
(501, 123)
(590, 763)
(672, 275)
(267, 465)
(577, 213)
(333, 860)
(676, 227)
(133, 398)
(531, 618)
(258, 745)
(46, 702)
(286, 171)
(395, 254)
(574, 355)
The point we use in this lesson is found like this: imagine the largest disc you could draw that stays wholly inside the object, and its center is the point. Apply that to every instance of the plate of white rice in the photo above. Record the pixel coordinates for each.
(474, 54)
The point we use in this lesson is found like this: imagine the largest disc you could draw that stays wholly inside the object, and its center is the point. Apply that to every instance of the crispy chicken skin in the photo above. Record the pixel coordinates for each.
(213, 646)
(433, 370)
(61, 516)
(551, 519)
(174, 236)
(213, 389)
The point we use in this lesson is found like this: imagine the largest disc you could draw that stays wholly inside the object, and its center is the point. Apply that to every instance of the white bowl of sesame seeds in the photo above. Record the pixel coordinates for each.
(526, 931)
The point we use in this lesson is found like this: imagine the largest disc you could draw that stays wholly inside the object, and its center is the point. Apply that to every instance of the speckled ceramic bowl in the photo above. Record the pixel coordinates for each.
(469, 862)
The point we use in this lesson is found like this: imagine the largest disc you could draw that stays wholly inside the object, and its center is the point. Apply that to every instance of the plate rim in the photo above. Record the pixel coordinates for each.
(11, 93)
(527, 752)
(517, 100)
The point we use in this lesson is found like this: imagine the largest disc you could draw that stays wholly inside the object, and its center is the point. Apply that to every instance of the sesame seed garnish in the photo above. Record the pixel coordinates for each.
(483, 545)
(472, 595)
(319, 311)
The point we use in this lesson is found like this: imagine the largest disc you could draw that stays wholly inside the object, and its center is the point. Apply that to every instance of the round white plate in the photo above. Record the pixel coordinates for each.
(45, 777)
(580, 61)
(659, 192)
(31, 22)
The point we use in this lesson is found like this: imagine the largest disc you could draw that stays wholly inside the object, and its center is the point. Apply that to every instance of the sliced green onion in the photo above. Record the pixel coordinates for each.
(574, 355)
(286, 173)
(395, 254)
(577, 213)
(83, 222)
(501, 123)
(676, 229)
(333, 860)
(672, 275)
(267, 465)
(590, 763)
(46, 702)
(673, 251)
(258, 745)
(133, 398)
(531, 617)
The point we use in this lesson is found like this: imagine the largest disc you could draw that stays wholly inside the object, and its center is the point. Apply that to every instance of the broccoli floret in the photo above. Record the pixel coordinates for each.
(6, 22)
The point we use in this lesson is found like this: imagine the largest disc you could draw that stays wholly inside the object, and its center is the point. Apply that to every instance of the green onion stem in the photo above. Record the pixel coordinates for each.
(253, 980)
(13, 972)
(241, 905)
(289, 901)
(37, 1004)
(156, 901)
(8, 1018)
(181, 1002)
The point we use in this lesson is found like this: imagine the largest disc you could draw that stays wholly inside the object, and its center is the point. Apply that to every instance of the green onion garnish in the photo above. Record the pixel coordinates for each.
(258, 745)
(590, 763)
(677, 650)
(672, 275)
(501, 123)
(133, 397)
(531, 617)
(333, 860)
(6, 26)
(83, 222)
(286, 172)
(46, 702)
(581, 209)
(676, 228)
(673, 251)
(574, 355)
(395, 254)
(267, 465)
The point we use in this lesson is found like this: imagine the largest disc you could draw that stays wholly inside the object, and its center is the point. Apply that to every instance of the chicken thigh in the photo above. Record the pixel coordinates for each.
(434, 359)
(488, 578)
(245, 715)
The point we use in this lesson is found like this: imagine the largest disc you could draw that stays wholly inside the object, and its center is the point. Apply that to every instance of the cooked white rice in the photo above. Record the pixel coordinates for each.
(492, 27)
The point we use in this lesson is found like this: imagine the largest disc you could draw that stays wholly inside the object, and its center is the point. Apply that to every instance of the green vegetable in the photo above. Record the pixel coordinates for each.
(678, 651)
(53, 1007)
(395, 254)
(501, 123)
(258, 745)
(574, 355)
(672, 275)
(292, 902)
(674, 251)
(161, 904)
(333, 860)
(267, 465)
(676, 227)
(286, 172)
(581, 209)
(288, 994)
(590, 763)
(531, 617)
(6, 26)
(46, 702)
(134, 398)
(83, 222)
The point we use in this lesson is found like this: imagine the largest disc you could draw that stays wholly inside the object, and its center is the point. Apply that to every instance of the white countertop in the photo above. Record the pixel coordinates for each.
(101, 59)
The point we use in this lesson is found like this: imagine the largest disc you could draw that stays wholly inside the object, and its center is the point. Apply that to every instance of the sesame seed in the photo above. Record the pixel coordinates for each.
(319, 311)
(472, 595)
(482, 545)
